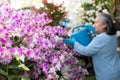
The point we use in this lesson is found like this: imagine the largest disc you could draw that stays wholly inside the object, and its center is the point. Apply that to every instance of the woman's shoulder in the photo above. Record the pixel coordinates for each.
(105, 37)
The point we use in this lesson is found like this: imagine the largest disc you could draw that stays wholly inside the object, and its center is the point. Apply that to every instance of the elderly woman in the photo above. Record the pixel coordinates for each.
(103, 49)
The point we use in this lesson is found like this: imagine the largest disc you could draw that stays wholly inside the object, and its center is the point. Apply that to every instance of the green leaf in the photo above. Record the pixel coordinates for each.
(90, 78)
(19, 77)
(14, 77)
(16, 38)
(25, 77)
(32, 64)
(24, 67)
(3, 73)
(13, 67)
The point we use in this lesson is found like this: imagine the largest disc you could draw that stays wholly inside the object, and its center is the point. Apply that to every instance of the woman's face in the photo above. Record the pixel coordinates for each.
(99, 26)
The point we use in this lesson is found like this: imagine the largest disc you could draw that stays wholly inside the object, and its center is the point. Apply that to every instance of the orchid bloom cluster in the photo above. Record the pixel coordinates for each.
(27, 35)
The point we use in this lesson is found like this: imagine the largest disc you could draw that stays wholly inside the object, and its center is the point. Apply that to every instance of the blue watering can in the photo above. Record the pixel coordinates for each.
(83, 35)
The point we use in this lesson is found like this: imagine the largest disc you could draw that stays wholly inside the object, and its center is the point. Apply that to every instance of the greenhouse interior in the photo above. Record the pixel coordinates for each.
(59, 39)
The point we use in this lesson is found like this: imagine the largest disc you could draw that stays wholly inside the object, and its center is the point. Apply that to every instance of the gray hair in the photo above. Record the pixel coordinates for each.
(103, 17)
(107, 19)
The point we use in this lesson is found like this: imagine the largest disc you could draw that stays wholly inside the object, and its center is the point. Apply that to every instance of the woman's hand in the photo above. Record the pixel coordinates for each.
(69, 41)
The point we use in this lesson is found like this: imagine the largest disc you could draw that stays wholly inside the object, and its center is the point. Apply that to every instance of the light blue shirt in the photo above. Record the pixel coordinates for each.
(106, 61)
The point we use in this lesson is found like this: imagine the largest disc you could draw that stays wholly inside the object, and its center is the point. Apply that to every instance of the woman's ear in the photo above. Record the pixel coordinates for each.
(104, 26)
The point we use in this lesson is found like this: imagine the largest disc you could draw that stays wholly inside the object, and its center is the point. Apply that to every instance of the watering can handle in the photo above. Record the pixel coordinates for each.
(87, 26)
(73, 30)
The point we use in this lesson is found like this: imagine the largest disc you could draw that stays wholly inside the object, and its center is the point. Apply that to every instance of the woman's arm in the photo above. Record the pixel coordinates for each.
(95, 45)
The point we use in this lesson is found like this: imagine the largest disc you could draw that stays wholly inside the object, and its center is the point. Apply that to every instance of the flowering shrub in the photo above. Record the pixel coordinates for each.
(28, 49)
(84, 11)
(91, 9)
(55, 12)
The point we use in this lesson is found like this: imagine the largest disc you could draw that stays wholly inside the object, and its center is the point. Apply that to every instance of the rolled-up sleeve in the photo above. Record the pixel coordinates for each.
(95, 45)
